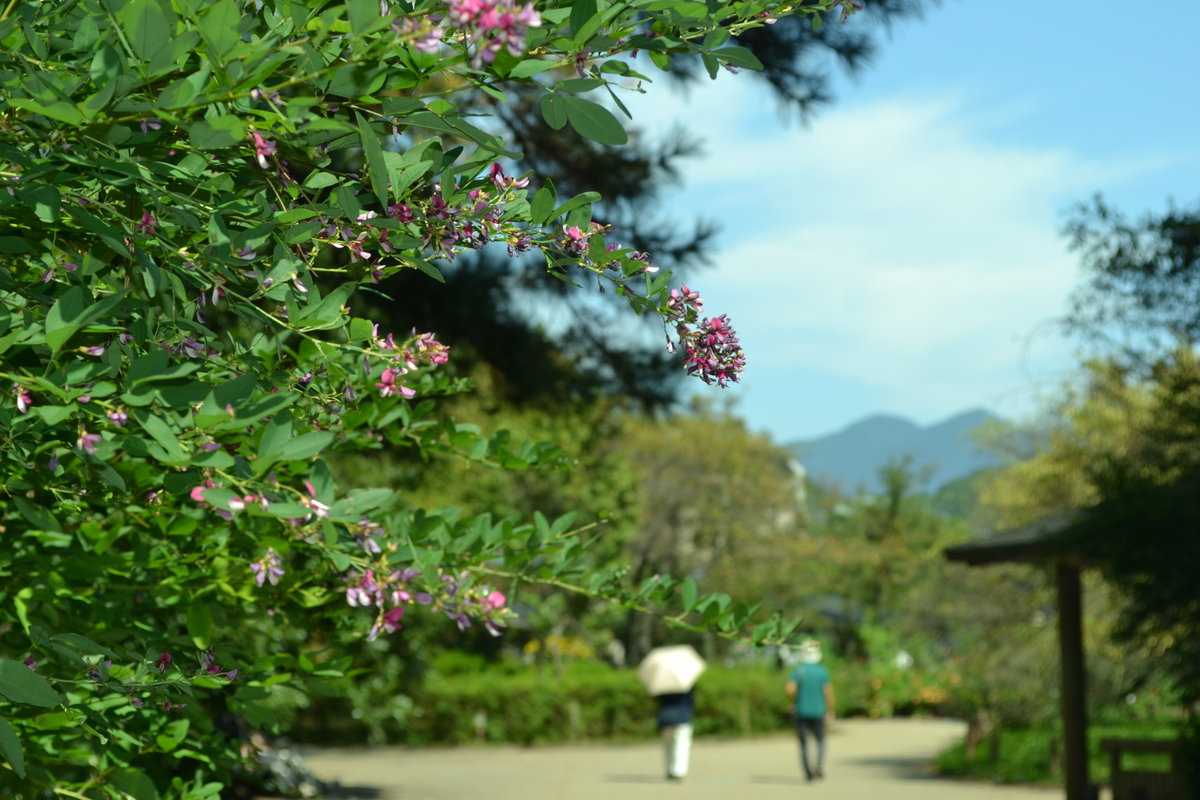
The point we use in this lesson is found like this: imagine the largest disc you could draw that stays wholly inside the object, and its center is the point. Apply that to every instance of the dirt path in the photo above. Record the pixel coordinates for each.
(868, 760)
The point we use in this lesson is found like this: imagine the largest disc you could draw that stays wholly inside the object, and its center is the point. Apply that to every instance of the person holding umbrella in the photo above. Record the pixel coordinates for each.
(669, 675)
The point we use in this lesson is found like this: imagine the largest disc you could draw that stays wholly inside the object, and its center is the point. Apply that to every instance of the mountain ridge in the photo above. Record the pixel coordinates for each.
(851, 457)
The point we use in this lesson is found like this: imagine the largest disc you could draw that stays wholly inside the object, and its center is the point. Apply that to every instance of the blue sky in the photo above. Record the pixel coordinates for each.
(901, 253)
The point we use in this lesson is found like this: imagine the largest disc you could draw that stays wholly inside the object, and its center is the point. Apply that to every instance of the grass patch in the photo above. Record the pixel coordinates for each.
(1033, 755)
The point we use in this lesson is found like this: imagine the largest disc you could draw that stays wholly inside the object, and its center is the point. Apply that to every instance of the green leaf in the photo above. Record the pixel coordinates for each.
(305, 446)
(531, 66)
(82, 644)
(542, 204)
(10, 748)
(295, 215)
(554, 110)
(275, 435)
(428, 269)
(219, 27)
(577, 85)
(146, 27)
(14, 244)
(36, 515)
(183, 91)
(134, 783)
(218, 132)
(162, 433)
(578, 201)
(64, 317)
(738, 57)
(326, 312)
(581, 12)
(687, 593)
(319, 180)
(200, 625)
(265, 407)
(376, 167)
(147, 366)
(594, 121)
(20, 684)
(73, 310)
(107, 65)
(173, 735)
(61, 111)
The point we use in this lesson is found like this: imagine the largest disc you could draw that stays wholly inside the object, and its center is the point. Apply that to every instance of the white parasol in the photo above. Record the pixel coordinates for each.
(669, 670)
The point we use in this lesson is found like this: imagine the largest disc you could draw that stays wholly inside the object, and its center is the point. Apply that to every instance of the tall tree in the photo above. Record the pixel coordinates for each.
(1141, 292)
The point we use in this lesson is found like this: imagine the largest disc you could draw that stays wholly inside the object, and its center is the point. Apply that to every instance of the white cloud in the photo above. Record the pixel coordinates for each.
(897, 244)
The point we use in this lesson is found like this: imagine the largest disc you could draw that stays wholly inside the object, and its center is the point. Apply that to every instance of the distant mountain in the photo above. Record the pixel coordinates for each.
(852, 457)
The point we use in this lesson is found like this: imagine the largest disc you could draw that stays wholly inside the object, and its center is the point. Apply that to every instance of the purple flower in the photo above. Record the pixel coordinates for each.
(88, 441)
(150, 124)
(163, 662)
(31, 662)
(267, 568)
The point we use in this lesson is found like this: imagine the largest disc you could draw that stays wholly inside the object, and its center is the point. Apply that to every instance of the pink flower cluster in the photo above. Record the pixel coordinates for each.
(577, 243)
(387, 593)
(423, 35)
(493, 25)
(421, 350)
(390, 594)
(443, 228)
(711, 348)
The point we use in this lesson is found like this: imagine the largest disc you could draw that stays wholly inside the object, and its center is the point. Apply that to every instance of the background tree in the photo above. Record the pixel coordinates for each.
(1142, 279)
(714, 503)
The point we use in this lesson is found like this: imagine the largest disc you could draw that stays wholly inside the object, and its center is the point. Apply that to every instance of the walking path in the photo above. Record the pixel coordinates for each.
(868, 760)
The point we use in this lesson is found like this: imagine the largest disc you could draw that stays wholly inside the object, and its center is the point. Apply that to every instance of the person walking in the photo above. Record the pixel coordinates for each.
(669, 675)
(675, 725)
(811, 689)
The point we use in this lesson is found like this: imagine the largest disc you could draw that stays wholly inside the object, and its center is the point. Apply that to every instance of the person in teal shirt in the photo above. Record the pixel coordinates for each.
(810, 688)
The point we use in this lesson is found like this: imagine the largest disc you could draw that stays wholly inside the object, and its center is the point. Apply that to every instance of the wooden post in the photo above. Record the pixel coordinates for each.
(1074, 713)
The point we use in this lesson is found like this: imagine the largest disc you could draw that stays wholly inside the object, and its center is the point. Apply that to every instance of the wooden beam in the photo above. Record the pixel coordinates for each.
(1074, 712)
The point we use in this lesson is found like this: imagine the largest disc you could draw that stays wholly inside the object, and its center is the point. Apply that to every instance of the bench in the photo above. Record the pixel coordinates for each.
(1143, 782)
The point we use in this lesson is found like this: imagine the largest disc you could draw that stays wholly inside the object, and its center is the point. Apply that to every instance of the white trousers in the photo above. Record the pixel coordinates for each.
(678, 741)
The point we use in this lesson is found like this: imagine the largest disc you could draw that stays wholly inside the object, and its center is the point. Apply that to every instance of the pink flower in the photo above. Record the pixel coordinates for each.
(163, 662)
(148, 225)
(24, 398)
(387, 385)
(262, 149)
(88, 441)
(495, 599)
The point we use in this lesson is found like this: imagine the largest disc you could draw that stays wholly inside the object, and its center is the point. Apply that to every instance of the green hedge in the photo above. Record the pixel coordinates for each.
(587, 702)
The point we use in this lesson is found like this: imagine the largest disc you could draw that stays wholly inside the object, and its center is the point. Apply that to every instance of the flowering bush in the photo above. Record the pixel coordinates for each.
(192, 193)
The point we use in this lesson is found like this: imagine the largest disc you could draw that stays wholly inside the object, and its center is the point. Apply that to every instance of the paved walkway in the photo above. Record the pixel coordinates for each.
(868, 760)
